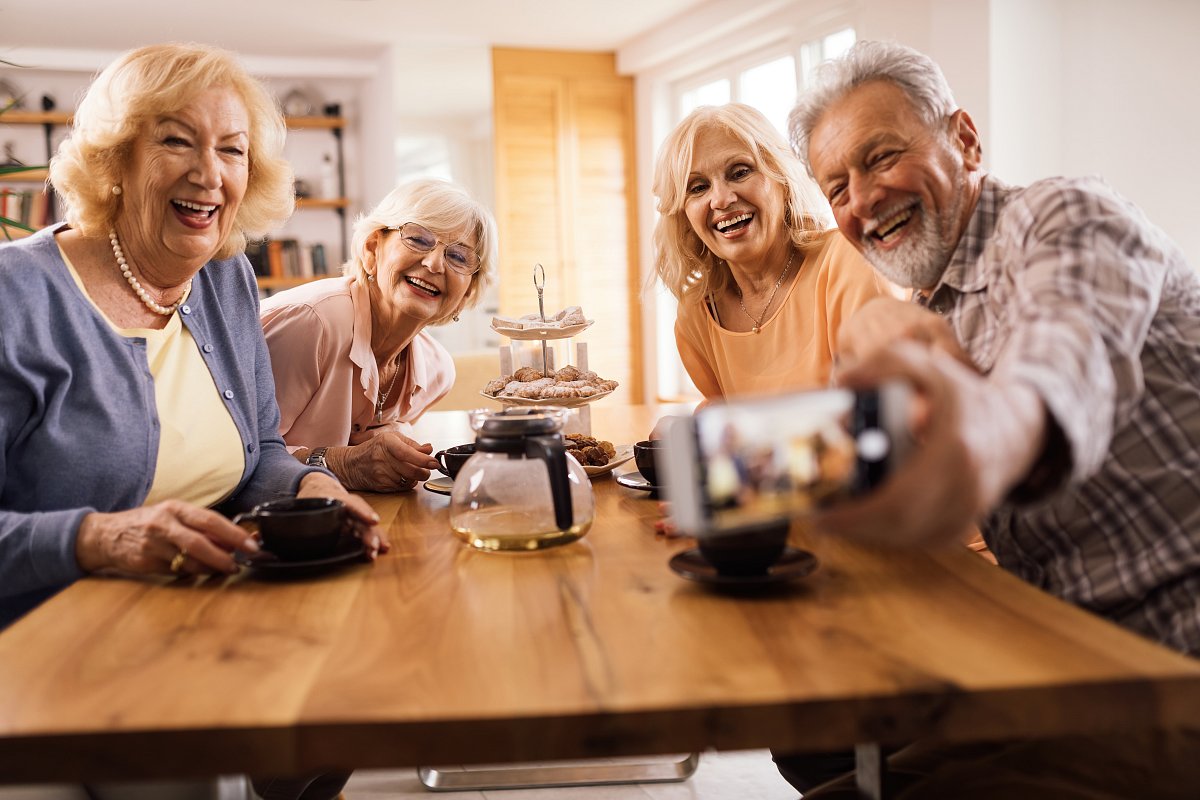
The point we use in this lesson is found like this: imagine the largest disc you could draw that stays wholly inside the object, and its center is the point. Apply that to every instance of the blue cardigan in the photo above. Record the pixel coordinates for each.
(78, 421)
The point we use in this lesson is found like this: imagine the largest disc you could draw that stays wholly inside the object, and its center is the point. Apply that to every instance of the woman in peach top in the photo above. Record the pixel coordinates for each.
(353, 364)
(763, 286)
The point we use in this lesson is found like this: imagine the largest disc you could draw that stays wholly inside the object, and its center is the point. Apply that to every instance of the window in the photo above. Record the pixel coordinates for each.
(714, 93)
(769, 81)
(827, 47)
(771, 88)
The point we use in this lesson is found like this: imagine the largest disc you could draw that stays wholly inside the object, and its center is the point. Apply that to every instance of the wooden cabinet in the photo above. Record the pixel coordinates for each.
(566, 196)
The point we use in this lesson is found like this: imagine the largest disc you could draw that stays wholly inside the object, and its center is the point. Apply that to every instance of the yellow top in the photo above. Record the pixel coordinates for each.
(794, 348)
(200, 457)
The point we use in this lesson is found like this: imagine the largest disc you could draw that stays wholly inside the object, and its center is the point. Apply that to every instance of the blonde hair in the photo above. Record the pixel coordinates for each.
(681, 260)
(151, 82)
(440, 206)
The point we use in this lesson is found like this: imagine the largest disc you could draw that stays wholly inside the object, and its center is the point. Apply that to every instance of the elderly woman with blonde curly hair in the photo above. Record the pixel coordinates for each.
(136, 398)
(354, 365)
(763, 284)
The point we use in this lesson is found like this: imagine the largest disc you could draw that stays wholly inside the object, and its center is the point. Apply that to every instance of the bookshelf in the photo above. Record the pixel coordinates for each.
(21, 199)
(27, 176)
(339, 204)
(18, 191)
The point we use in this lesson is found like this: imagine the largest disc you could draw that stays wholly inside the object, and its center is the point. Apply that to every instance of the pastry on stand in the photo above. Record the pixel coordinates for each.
(573, 385)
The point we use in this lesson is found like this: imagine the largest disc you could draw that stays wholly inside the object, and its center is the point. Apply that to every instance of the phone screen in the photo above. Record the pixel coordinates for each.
(774, 457)
(750, 460)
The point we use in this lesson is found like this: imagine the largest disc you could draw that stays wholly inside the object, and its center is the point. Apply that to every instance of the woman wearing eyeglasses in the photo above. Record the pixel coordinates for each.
(353, 364)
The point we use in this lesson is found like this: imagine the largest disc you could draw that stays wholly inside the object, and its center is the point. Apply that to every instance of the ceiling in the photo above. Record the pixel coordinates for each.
(331, 28)
(438, 51)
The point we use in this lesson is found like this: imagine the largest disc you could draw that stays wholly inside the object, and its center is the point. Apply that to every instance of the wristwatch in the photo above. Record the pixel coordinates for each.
(316, 458)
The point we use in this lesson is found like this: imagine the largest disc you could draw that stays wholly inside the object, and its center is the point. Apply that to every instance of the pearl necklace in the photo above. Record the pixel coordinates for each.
(136, 285)
(383, 397)
(758, 322)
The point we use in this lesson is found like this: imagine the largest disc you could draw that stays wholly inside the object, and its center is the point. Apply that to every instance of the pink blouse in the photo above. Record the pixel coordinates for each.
(326, 377)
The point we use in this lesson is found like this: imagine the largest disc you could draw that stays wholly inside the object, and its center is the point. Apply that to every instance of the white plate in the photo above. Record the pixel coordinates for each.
(547, 332)
(565, 402)
(624, 453)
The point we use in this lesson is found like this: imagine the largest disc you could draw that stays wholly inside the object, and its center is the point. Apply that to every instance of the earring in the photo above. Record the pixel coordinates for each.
(455, 318)
(370, 278)
(116, 189)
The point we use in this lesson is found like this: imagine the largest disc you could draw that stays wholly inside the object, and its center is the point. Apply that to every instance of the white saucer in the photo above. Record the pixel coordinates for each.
(439, 485)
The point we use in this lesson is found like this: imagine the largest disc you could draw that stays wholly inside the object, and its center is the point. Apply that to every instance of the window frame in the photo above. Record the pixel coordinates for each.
(731, 70)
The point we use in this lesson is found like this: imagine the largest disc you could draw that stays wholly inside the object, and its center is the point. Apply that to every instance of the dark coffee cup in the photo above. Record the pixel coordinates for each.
(452, 458)
(644, 455)
(297, 528)
(745, 551)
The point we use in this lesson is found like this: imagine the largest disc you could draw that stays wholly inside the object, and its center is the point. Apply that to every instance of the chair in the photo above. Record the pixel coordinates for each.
(473, 368)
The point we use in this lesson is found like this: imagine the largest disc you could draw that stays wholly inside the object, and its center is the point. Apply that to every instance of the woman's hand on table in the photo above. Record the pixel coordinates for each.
(167, 537)
(663, 526)
(363, 518)
(381, 460)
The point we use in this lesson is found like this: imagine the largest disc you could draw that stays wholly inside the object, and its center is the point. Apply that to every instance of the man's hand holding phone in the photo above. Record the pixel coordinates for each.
(975, 440)
(751, 461)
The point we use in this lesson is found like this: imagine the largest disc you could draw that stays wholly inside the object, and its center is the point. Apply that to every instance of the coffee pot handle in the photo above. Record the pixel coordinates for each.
(549, 448)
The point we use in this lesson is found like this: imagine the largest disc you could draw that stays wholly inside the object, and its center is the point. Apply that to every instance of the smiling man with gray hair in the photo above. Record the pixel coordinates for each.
(1054, 340)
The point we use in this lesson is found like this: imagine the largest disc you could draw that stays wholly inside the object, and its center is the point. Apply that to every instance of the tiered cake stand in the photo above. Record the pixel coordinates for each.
(511, 361)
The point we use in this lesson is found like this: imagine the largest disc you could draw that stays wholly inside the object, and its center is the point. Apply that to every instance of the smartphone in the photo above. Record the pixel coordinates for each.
(751, 460)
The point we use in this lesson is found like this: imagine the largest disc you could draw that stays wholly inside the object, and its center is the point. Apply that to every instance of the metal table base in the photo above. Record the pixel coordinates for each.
(556, 775)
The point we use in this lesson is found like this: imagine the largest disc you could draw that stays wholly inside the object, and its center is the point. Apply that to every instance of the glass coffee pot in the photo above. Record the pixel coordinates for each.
(520, 490)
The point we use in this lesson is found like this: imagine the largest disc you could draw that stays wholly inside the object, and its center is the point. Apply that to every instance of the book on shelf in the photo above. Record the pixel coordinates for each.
(275, 258)
(287, 258)
(28, 207)
(317, 260)
(256, 254)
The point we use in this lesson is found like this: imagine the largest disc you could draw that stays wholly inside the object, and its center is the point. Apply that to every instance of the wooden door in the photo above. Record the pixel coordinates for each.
(565, 197)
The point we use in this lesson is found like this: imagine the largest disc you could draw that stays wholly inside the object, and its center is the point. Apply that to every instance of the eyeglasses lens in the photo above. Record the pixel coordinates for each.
(421, 240)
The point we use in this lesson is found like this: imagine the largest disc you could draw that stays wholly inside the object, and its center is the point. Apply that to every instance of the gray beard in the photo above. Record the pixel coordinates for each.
(919, 262)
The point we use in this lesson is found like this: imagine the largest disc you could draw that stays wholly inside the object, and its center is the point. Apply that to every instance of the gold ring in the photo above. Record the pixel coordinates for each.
(177, 561)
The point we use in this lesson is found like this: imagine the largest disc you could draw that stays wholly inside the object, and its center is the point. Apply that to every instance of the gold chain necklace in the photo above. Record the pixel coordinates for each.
(381, 399)
(758, 322)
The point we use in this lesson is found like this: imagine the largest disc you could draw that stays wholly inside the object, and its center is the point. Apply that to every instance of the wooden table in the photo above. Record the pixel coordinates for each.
(438, 654)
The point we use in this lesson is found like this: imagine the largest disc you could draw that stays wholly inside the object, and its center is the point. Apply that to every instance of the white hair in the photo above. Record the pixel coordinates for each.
(440, 206)
(915, 73)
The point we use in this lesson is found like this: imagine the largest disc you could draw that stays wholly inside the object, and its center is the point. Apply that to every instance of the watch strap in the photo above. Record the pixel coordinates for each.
(316, 458)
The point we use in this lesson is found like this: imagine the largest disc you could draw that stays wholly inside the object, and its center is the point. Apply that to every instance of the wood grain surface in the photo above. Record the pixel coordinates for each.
(439, 654)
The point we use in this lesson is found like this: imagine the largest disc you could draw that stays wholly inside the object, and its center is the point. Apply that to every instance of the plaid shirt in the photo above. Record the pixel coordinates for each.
(1066, 286)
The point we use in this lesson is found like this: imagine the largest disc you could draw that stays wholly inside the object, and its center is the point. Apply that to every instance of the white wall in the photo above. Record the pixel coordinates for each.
(1103, 87)
(954, 33)
(1026, 91)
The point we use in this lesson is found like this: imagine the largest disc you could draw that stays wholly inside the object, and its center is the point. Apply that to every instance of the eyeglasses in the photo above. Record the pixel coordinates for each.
(457, 256)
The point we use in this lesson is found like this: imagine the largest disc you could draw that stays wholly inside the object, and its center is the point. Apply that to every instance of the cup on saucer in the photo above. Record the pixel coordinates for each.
(297, 528)
(645, 455)
(745, 551)
(452, 459)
